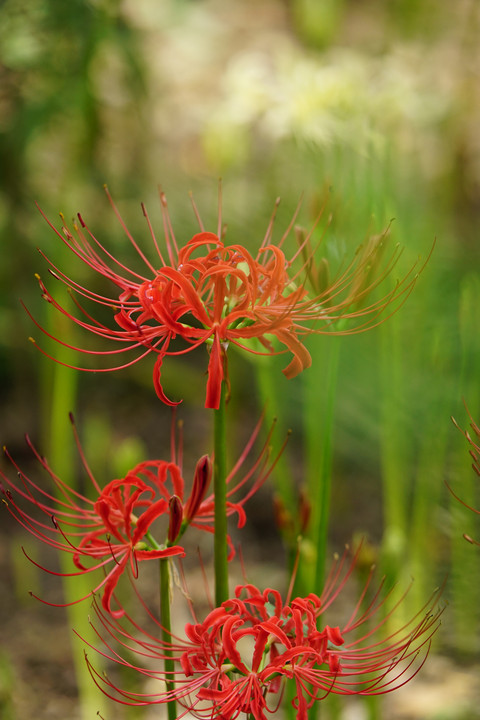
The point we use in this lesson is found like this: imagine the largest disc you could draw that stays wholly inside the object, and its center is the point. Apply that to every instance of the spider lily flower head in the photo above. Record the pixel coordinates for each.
(240, 657)
(111, 532)
(116, 530)
(206, 292)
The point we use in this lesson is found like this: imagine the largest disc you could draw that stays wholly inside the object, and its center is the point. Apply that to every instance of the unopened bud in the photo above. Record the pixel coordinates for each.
(283, 518)
(201, 481)
(305, 511)
(176, 517)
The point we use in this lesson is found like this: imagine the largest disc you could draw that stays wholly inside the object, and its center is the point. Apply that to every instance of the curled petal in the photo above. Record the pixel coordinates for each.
(158, 385)
(301, 357)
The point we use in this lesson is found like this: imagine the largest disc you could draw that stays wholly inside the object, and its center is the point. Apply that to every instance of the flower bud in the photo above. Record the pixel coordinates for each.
(305, 512)
(201, 481)
(282, 516)
(176, 516)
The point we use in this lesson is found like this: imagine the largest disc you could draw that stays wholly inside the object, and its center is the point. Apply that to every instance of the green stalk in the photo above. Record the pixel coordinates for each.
(220, 491)
(424, 536)
(319, 413)
(166, 623)
(62, 397)
(395, 451)
(320, 393)
(275, 393)
(320, 484)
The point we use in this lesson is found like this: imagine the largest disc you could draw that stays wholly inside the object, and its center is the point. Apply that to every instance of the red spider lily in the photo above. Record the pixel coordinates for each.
(116, 529)
(475, 454)
(210, 293)
(240, 657)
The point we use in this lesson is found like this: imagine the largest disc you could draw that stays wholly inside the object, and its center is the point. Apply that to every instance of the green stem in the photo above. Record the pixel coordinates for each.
(275, 396)
(319, 417)
(166, 622)
(325, 485)
(320, 404)
(220, 490)
(396, 451)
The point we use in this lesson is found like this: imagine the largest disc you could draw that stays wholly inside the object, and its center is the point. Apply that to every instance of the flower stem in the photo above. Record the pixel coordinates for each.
(319, 433)
(320, 486)
(220, 490)
(166, 623)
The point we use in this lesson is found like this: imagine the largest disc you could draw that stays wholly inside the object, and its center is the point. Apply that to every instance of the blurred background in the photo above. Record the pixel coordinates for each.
(372, 106)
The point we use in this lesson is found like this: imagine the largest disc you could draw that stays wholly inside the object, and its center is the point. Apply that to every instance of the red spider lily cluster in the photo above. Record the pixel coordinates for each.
(209, 293)
(240, 657)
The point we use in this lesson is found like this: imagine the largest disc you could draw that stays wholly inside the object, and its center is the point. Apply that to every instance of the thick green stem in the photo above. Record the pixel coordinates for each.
(275, 395)
(396, 452)
(166, 622)
(324, 486)
(220, 490)
(319, 414)
(320, 404)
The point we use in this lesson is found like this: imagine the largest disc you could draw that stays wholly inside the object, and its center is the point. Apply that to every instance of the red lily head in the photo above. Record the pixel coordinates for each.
(240, 657)
(213, 294)
(112, 532)
(116, 530)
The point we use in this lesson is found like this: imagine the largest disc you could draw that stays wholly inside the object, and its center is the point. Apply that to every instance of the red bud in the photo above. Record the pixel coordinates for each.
(201, 481)
(176, 517)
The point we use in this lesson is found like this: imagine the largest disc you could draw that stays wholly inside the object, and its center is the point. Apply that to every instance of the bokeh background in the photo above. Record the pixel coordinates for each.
(371, 106)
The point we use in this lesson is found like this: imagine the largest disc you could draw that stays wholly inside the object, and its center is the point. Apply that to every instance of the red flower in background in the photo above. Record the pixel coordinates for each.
(115, 531)
(240, 657)
(206, 292)
(474, 451)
